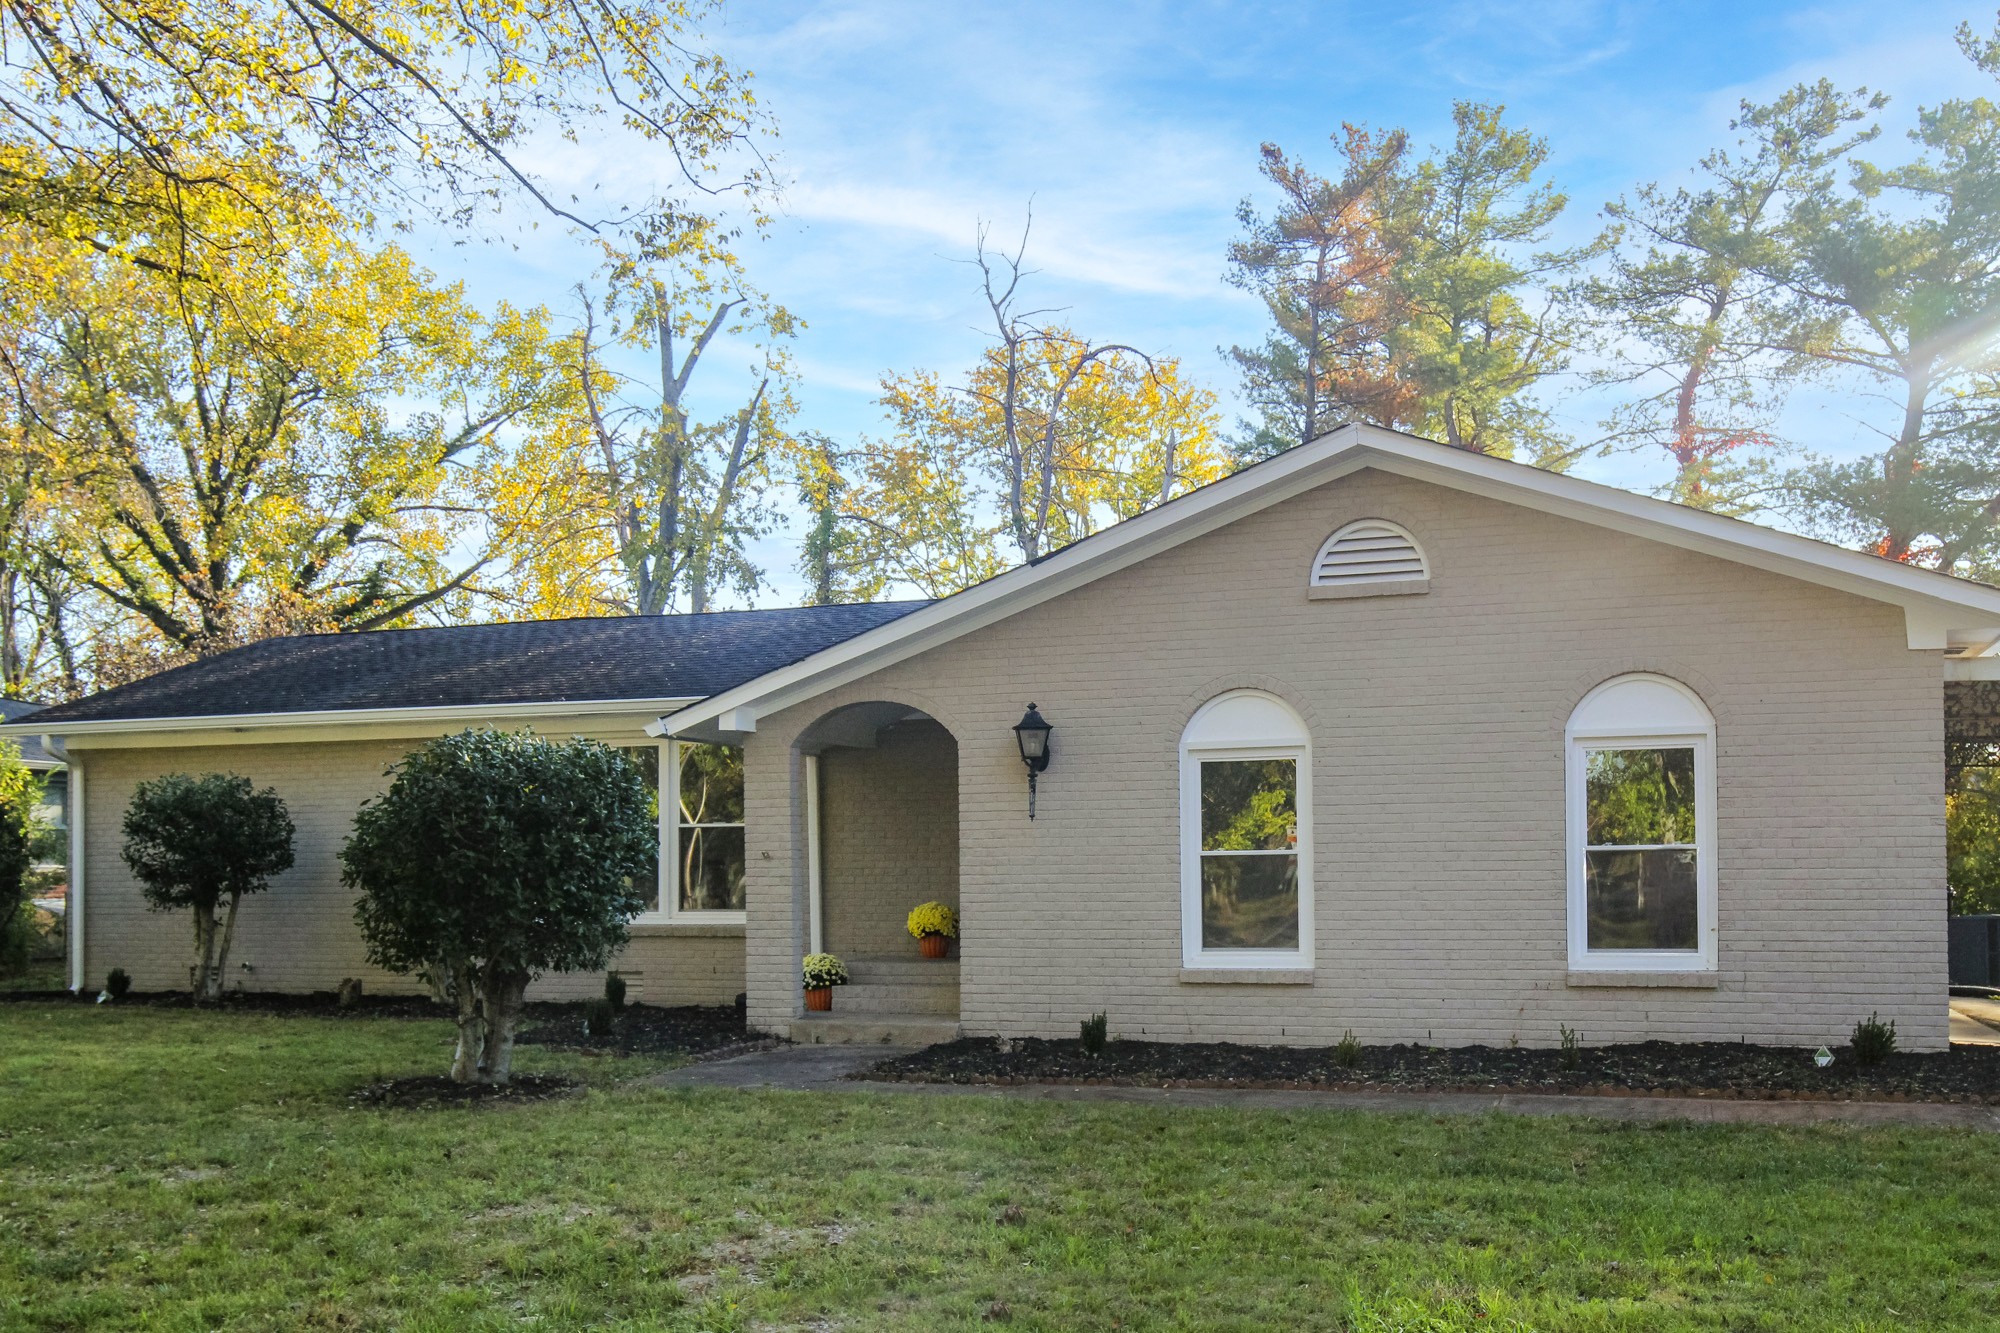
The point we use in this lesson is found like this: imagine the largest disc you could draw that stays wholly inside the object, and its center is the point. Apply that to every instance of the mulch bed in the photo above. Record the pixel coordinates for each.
(435, 1090)
(311, 1004)
(640, 1029)
(1705, 1069)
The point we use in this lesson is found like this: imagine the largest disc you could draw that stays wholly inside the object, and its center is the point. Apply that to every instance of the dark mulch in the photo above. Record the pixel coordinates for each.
(1715, 1069)
(436, 1090)
(309, 1004)
(640, 1029)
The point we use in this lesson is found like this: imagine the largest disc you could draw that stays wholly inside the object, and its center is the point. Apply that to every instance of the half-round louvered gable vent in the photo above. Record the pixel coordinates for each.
(1369, 558)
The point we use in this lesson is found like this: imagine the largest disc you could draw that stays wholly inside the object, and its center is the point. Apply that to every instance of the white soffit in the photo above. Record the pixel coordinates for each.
(1940, 611)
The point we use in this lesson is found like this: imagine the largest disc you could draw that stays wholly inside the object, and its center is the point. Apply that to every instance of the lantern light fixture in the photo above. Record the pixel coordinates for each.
(1032, 733)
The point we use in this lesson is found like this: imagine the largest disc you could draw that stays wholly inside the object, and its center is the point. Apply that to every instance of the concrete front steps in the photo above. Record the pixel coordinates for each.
(872, 1030)
(904, 1001)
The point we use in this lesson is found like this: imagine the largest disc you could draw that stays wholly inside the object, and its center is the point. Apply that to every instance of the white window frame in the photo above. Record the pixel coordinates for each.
(668, 910)
(1612, 717)
(1288, 740)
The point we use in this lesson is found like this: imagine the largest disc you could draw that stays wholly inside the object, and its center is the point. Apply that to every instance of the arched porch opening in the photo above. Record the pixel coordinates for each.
(882, 832)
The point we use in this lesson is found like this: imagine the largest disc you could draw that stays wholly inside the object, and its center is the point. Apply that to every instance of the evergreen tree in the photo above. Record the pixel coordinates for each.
(1686, 299)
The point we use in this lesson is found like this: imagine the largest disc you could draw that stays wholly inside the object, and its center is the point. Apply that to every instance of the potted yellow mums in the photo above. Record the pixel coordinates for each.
(935, 926)
(821, 972)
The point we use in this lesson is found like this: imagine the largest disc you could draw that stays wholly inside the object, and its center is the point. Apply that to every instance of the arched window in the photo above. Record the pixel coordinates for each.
(1246, 835)
(1369, 558)
(1641, 789)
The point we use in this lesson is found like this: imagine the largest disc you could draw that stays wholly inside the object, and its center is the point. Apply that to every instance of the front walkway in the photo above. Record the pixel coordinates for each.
(825, 1069)
(1975, 1021)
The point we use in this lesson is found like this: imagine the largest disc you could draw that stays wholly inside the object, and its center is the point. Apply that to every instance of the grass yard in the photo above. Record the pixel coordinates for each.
(189, 1171)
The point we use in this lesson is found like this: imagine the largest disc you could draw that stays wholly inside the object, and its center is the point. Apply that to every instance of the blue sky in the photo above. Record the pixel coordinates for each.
(1134, 129)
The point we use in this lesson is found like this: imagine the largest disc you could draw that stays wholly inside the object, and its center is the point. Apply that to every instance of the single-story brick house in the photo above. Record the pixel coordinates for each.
(1375, 735)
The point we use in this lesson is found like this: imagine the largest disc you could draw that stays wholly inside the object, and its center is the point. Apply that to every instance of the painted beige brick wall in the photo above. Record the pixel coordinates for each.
(1437, 727)
(300, 936)
(889, 837)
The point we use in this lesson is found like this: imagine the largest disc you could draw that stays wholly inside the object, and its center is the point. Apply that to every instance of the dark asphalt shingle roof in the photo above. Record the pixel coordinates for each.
(532, 661)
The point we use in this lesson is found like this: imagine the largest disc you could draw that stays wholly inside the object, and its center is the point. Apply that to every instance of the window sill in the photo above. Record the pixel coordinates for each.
(641, 930)
(1691, 980)
(1246, 976)
(1387, 588)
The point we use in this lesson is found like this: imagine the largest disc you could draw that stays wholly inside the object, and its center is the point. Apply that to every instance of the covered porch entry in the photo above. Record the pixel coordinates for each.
(881, 827)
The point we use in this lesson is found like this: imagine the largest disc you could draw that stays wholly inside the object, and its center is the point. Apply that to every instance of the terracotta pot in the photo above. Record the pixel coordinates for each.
(934, 946)
(819, 999)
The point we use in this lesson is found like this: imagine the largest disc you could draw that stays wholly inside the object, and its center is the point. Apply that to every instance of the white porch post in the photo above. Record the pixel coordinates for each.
(816, 932)
(73, 908)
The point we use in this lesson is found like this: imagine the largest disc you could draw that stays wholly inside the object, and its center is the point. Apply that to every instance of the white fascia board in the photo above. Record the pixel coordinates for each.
(1932, 601)
(159, 729)
(1965, 602)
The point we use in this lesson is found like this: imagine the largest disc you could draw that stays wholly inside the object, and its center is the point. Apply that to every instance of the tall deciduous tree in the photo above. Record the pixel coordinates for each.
(836, 558)
(1048, 436)
(680, 497)
(198, 843)
(39, 615)
(1321, 263)
(1686, 301)
(1895, 278)
(242, 457)
(164, 132)
(494, 857)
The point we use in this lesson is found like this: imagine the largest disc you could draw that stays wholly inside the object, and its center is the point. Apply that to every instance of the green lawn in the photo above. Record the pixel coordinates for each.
(184, 1171)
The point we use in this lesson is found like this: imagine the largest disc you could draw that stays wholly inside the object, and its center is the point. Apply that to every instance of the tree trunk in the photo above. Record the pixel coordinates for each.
(222, 950)
(504, 988)
(205, 987)
(471, 1024)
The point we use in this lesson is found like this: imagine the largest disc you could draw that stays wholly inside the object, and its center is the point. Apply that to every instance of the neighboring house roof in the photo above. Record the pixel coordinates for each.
(523, 664)
(32, 753)
(1940, 611)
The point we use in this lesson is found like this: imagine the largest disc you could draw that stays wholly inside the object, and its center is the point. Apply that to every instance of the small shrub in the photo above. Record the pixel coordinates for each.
(614, 990)
(1873, 1041)
(932, 919)
(20, 792)
(1347, 1051)
(118, 983)
(19, 939)
(204, 844)
(599, 1017)
(822, 969)
(495, 857)
(1094, 1032)
(1572, 1047)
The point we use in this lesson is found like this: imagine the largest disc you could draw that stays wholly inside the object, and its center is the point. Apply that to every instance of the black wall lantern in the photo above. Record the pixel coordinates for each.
(1032, 734)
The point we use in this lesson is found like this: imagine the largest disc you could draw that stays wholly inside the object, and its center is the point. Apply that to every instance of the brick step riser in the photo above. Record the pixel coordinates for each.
(863, 998)
(860, 1030)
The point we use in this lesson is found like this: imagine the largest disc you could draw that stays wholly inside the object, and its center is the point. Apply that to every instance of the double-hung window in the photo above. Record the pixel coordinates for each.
(1641, 784)
(1246, 854)
(702, 852)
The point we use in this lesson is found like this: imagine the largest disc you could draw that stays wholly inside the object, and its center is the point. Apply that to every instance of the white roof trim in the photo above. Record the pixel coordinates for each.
(1939, 607)
(29, 726)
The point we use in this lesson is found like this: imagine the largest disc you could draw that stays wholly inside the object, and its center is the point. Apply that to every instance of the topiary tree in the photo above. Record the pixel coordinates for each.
(20, 792)
(494, 857)
(194, 842)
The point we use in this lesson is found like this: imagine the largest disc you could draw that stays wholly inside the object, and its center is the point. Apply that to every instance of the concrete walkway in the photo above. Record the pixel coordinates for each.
(1975, 1021)
(825, 1069)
